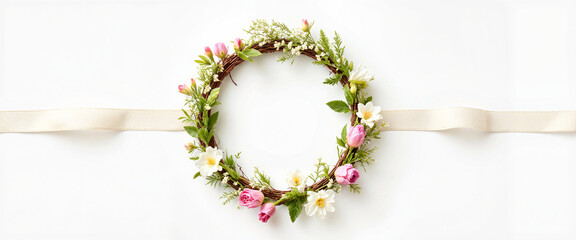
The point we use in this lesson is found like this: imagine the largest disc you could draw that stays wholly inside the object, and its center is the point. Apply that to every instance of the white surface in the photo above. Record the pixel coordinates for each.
(496, 55)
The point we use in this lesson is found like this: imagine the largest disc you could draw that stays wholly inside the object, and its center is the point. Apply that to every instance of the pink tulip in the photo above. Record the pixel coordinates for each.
(220, 50)
(208, 52)
(355, 136)
(346, 174)
(250, 198)
(266, 211)
(184, 89)
(237, 44)
(305, 25)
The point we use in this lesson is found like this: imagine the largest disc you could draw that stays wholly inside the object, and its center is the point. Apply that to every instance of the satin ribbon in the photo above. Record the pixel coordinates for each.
(400, 120)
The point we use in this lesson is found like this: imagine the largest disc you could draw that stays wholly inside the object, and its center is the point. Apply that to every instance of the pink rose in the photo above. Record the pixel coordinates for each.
(251, 198)
(266, 211)
(346, 174)
(237, 44)
(305, 25)
(355, 136)
(220, 50)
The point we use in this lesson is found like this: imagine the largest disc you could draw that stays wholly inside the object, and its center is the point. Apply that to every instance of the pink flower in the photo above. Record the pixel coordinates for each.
(208, 52)
(266, 211)
(237, 44)
(346, 174)
(193, 82)
(355, 136)
(251, 198)
(305, 25)
(220, 50)
(184, 89)
(189, 146)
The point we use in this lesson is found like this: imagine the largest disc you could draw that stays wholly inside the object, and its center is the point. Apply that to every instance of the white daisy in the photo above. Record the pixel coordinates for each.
(208, 161)
(295, 180)
(368, 113)
(319, 203)
(361, 76)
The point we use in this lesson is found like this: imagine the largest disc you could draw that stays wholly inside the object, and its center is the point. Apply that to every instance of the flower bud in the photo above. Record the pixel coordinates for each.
(237, 44)
(220, 50)
(208, 52)
(193, 82)
(305, 25)
(355, 136)
(353, 88)
(189, 146)
(266, 211)
(184, 89)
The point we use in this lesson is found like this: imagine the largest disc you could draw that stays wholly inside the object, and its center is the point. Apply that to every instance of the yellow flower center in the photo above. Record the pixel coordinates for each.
(211, 161)
(367, 114)
(296, 180)
(320, 202)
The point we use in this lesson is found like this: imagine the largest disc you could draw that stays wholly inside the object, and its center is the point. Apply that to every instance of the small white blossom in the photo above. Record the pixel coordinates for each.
(225, 180)
(296, 180)
(369, 113)
(319, 203)
(208, 161)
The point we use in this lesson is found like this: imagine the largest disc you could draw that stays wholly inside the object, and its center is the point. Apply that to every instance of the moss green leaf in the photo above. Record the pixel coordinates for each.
(338, 106)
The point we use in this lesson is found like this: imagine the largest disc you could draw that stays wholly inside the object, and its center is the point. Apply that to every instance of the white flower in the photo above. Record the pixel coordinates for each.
(295, 180)
(208, 162)
(361, 76)
(368, 113)
(319, 203)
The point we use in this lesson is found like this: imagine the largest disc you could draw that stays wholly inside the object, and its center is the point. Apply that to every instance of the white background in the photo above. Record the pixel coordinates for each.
(495, 55)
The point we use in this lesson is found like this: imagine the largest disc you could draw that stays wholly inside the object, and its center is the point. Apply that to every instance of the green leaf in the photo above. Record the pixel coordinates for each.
(338, 106)
(251, 52)
(203, 135)
(295, 207)
(369, 99)
(344, 133)
(213, 119)
(349, 96)
(197, 175)
(213, 95)
(244, 57)
(340, 142)
(230, 162)
(193, 131)
(203, 60)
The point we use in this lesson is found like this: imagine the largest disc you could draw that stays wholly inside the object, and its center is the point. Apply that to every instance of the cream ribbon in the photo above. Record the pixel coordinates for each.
(400, 120)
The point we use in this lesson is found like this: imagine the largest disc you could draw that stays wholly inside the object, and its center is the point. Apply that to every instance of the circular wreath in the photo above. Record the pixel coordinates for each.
(221, 169)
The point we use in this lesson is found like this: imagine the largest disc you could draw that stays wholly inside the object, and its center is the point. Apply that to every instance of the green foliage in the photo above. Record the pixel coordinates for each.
(214, 180)
(196, 175)
(322, 170)
(260, 179)
(333, 79)
(354, 188)
(213, 95)
(248, 53)
(338, 106)
(229, 196)
(294, 200)
(192, 131)
(212, 120)
(349, 96)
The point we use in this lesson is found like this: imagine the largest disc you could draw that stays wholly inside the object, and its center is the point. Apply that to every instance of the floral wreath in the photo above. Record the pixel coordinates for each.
(221, 169)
